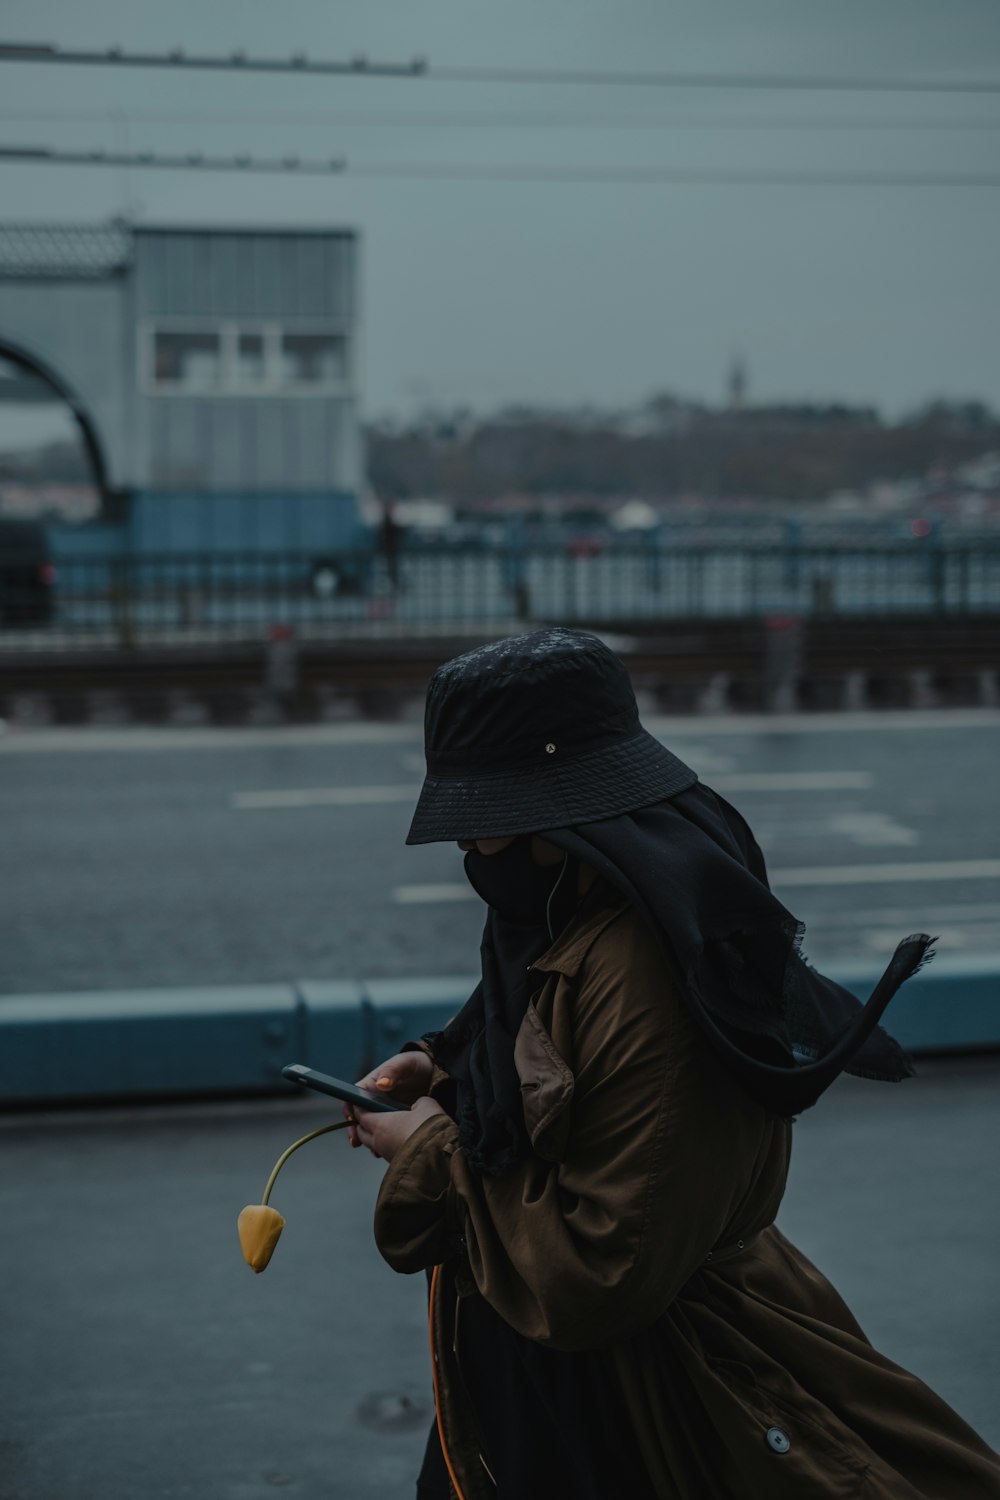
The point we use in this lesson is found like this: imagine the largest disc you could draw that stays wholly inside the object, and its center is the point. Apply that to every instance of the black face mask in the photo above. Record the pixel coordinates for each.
(514, 886)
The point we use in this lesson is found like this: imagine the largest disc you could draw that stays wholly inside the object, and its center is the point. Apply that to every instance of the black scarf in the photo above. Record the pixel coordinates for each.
(529, 905)
(692, 869)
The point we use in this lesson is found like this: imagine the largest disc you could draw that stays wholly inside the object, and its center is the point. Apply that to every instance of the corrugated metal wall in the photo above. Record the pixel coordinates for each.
(249, 443)
(265, 274)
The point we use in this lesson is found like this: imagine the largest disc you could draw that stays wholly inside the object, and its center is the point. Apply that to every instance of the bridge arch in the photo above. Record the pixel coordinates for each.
(17, 354)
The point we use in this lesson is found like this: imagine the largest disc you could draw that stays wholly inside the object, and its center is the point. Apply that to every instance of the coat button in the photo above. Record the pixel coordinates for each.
(778, 1441)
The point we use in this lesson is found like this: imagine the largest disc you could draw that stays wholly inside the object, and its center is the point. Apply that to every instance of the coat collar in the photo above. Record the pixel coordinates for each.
(573, 944)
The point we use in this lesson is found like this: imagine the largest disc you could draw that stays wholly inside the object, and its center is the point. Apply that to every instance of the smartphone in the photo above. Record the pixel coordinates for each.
(338, 1089)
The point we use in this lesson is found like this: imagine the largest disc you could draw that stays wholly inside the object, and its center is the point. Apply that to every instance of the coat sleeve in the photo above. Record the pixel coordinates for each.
(659, 1161)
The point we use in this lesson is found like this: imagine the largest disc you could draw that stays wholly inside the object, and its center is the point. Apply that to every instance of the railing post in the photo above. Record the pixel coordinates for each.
(938, 570)
(281, 669)
(823, 596)
(782, 662)
(516, 580)
(121, 601)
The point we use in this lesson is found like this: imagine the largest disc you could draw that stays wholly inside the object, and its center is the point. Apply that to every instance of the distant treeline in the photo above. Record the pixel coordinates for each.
(668, 447)
(674, 448)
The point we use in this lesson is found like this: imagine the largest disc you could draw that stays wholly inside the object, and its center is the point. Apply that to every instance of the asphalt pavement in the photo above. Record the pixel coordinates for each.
(144, 857)
(143, 1358)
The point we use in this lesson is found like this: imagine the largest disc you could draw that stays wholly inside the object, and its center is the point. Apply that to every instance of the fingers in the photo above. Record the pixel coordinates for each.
(352, 1133)
(406, 1076)
(383, 1134)
(360, 1131)
(394, 1071)
(365, 1133)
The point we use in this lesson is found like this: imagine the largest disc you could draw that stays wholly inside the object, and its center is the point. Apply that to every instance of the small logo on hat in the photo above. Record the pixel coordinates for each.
(550, 749)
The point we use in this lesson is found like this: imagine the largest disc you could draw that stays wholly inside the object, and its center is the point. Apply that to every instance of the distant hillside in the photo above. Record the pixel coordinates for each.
(668, 447)
(671, 447)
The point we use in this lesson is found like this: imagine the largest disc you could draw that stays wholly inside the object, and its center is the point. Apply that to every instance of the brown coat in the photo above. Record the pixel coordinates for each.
(643, 1226)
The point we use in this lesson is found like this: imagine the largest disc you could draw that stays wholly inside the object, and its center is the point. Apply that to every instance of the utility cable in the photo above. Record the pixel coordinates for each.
(418, 67)
(499, 120)
(469, 172)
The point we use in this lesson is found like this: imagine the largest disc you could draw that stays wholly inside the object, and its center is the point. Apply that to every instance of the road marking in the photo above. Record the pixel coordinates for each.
(943, 870)
(707, 761)
(880, 940)
(873, 830)
(939, 869)
(325, 796)
(891, 915)
(15, 740)
(417, 895)
(671, 726)
(794, 781)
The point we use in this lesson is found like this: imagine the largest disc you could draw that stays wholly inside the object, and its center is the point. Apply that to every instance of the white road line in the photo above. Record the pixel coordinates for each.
(56, 739)
(873, 830)
(324, 796)
(946, 938)
(417, 895)
(967, 915)
(793, 781)
(940, 869)
(929, 870)
(672, 726)
(708, 761)
(126, 737)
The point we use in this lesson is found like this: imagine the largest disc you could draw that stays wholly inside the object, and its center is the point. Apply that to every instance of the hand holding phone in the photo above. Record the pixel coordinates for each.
(406, 1077)
(337, 1088)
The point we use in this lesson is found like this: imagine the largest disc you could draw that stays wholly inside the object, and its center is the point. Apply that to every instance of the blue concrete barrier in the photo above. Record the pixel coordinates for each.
(952, 1005)
(144, 1043)
(336, 1029)
(235, 1040)
(139, 1042)
(403, 1009)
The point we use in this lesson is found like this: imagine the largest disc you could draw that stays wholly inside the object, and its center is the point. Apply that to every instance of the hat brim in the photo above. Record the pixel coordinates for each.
(598, 784)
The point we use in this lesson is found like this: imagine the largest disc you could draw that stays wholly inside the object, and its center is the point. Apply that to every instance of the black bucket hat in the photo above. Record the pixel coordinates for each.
(534, 732)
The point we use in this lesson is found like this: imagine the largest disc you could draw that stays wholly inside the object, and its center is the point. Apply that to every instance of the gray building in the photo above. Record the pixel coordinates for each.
(213, 371)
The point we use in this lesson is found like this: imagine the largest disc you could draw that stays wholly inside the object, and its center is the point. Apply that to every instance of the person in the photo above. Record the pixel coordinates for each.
(598, 1142)
(391, 542)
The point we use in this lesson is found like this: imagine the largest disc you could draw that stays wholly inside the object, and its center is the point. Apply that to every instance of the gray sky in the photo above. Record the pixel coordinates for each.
(489, 292)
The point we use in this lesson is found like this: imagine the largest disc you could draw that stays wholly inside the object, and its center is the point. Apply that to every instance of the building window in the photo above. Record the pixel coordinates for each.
(243, 359)
(192, 361)
(313, 358)
(250, 364)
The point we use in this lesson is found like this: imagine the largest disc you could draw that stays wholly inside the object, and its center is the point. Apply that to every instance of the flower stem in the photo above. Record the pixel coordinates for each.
(323, 1130)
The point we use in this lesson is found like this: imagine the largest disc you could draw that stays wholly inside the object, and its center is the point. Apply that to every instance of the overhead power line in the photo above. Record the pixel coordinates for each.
(418, 67)
(504, 120)
(298, 62)
(469, 172)
(174, 161)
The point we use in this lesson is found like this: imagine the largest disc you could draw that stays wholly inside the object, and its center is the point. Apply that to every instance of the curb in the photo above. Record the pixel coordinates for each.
(233, 1040)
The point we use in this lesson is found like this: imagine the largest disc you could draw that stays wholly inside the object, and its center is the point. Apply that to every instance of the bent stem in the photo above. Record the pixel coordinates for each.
(323, 1130)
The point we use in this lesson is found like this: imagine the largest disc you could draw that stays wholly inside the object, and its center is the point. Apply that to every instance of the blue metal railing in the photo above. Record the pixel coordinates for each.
(126, 598)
